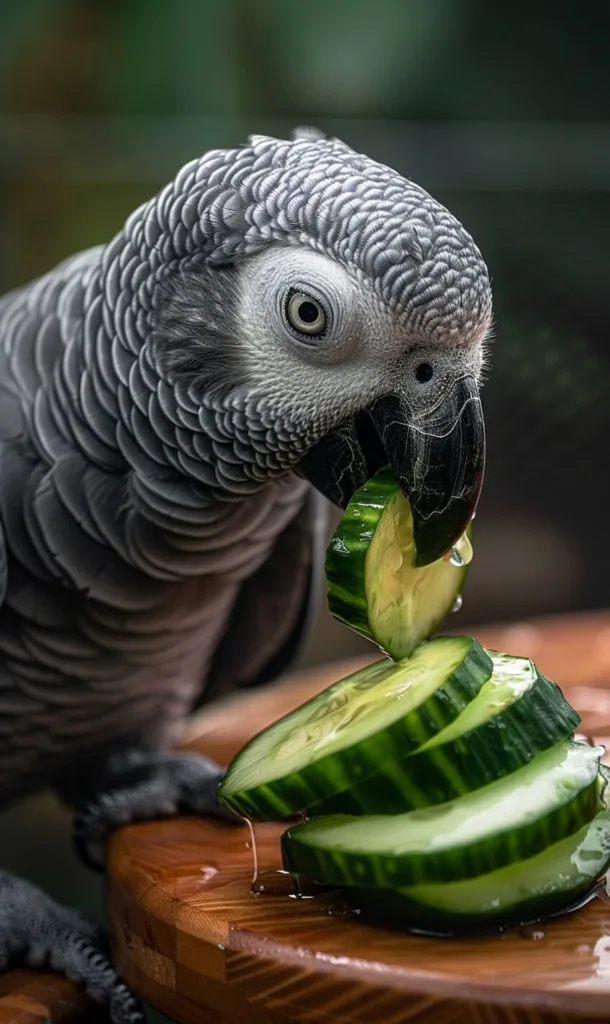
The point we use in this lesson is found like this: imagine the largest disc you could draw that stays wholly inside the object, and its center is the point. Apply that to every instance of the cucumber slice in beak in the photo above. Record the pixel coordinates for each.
(374, 581)
(438, 459)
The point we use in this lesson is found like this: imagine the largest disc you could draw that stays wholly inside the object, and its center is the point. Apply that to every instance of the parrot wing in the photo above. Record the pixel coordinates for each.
(275, 607)
(11, 432)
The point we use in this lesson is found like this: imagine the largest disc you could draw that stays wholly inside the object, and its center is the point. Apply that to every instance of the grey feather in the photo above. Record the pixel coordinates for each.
(3, 566)
(278, 601)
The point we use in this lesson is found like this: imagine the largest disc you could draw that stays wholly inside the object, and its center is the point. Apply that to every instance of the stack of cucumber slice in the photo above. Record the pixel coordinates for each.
(443, 790)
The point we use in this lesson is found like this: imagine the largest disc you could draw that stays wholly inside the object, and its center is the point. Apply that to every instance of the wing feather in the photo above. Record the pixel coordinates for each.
(274, 611)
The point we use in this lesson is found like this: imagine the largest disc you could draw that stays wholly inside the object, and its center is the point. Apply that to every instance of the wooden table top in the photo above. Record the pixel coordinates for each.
(35, 997)
(194, 942)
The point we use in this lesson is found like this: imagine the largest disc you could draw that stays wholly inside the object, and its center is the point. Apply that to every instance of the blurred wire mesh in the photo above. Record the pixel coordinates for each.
(502, 111)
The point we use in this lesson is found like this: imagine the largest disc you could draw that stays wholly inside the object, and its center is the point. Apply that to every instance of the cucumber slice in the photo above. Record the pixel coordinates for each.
(344, 733)
(555, 881)
(514, 818)
(372, 581)
(516, 715)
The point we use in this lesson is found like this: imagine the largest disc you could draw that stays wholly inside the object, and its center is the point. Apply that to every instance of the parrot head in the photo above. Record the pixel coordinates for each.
(337, 315)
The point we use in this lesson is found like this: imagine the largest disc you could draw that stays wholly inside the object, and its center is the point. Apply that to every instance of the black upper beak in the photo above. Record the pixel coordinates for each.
(439, 460)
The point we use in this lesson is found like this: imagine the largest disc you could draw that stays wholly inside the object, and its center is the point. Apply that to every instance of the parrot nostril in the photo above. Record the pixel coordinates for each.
(424, 373)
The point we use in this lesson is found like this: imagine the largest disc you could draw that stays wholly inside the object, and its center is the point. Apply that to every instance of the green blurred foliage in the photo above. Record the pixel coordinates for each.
(378, 58)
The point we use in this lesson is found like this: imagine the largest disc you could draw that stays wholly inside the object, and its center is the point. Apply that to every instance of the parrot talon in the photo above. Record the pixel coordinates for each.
(39, 932)
(165, 785)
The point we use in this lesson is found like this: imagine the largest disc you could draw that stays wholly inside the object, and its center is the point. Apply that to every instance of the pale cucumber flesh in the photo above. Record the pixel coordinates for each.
(516, 715)
(511, 679)
(513, 818)
(374, 585)
(407, 603)
(344, 733)
(554, 881)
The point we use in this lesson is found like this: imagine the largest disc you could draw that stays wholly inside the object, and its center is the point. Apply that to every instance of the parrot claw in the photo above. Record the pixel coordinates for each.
(36, 930)
(146, 787)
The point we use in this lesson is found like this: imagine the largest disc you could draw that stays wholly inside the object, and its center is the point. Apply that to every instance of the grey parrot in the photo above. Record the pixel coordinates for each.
(177, 409)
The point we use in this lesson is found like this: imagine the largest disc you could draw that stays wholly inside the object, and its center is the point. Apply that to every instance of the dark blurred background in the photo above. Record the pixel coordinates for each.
(501, 110)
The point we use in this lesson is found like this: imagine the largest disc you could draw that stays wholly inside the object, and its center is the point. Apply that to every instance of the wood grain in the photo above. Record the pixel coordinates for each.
(34, 997)
(192, 939)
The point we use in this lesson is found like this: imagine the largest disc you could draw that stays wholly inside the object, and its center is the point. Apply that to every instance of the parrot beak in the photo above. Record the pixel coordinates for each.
(438, 457)
(439, 460)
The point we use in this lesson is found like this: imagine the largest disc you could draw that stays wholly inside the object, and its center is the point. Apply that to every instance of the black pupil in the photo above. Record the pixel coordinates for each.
(308, 312)
(424, 373)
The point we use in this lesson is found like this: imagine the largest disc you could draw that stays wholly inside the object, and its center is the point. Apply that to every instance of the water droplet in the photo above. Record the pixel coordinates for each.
(306, 889)
(252, 845)
(457, 604)
(273, 883)
(456, 559)
(208, 872)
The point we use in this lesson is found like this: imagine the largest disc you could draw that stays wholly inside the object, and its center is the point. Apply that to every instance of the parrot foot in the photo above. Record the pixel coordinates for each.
(39, 932)
(145, 787)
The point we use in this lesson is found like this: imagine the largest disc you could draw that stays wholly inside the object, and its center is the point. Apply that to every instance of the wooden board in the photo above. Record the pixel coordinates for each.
(193, 940)
(35, 997)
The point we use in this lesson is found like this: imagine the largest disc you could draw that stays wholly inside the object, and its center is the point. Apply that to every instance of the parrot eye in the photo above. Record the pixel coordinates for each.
(305, 314)
(423, 373)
